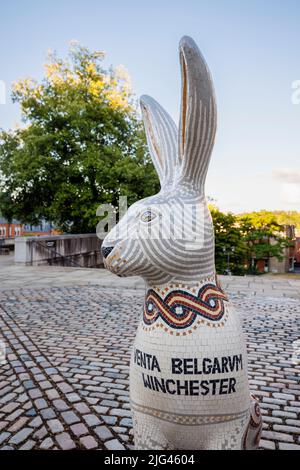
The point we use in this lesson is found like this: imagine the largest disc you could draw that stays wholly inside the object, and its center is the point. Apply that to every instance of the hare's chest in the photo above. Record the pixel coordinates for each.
(160, 344)
(205, 369)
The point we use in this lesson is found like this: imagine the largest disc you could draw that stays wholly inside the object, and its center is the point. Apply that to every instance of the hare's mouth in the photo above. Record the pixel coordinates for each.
(112, 258)
(115, 264)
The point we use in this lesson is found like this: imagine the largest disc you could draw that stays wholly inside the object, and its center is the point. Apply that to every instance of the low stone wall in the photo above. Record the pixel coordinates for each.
(81, 250)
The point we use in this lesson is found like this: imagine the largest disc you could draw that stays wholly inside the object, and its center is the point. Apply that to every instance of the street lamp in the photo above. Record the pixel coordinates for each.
(228, 252)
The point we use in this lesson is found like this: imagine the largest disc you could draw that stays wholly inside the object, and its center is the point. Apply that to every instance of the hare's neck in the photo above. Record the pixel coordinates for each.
(168, 283)
(162, 291)
(179, 306)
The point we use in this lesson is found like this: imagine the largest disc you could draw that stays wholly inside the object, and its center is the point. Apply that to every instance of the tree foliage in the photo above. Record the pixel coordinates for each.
(263, 234)
(281, 217)
(245, 239)
(83, 145)
(227, 236)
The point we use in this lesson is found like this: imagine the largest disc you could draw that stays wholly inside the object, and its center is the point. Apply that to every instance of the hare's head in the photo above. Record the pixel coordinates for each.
(169, 236)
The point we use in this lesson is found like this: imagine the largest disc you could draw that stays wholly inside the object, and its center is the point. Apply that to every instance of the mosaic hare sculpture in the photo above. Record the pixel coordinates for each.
(188, 375)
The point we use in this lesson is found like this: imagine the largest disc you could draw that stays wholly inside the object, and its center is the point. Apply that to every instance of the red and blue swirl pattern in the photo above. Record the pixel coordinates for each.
(179, 309)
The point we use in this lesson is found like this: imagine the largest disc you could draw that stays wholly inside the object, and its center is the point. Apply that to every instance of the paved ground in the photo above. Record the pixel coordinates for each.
(68, 334)
(16, 277)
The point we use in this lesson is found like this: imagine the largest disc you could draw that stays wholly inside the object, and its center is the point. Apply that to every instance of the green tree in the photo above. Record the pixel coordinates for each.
(263, 235)
(244, 239)
(229, 243)
(83, 145)
(282, 217)
(288, 218)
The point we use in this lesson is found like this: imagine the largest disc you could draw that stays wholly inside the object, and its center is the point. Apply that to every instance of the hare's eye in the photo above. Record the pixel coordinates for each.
(147, 216)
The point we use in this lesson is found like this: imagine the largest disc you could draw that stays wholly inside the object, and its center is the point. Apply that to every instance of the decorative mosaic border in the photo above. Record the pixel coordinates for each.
(188, 420)
(180, 309)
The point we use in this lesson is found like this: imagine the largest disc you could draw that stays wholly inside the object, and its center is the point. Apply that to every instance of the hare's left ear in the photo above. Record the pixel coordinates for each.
(197, 125)
(162, 136)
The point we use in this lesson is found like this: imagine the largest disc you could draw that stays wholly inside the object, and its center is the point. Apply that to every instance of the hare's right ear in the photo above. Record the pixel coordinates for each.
(197, 125)
(162, 137)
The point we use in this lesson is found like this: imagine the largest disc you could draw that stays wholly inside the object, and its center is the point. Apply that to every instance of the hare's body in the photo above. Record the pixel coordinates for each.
(188, 376)
(189, 387)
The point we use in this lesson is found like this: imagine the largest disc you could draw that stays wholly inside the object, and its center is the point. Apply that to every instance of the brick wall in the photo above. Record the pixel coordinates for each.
(10, 230)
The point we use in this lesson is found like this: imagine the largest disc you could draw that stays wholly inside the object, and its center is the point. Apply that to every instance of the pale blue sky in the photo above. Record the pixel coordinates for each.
(251, 46)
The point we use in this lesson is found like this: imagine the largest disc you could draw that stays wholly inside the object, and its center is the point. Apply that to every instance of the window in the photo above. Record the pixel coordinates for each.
(266, 267)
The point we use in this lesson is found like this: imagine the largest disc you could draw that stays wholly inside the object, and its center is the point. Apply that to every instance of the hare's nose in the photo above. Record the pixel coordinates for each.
(106, 250)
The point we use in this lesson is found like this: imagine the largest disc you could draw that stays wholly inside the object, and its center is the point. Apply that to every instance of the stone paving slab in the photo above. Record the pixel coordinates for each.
(65, 384)
(15, 277)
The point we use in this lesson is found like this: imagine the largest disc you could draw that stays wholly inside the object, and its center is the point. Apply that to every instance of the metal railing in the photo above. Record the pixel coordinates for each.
(57, 255)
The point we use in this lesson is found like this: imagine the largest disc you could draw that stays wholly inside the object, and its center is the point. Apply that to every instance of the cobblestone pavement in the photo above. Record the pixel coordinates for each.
(65, 384)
